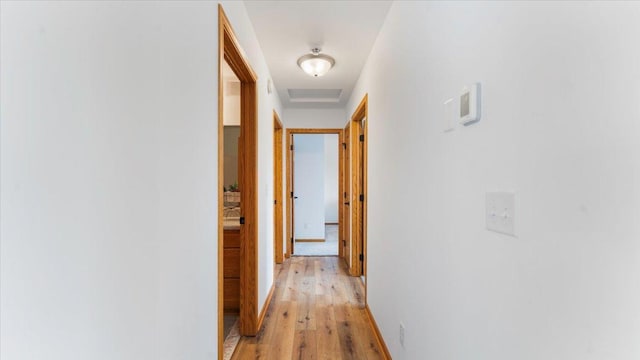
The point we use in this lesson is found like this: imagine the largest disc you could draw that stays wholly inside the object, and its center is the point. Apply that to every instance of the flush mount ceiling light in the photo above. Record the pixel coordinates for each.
(316, 64)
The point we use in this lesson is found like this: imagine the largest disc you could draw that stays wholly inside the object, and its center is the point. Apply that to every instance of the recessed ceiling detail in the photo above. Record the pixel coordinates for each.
(314, 95)
(344, 29)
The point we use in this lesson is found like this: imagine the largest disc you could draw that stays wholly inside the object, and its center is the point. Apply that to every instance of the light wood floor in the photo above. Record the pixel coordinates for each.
(317, 312)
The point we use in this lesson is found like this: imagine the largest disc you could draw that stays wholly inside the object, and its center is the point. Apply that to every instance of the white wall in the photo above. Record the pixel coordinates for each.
(559, 127)
(314, 118)
(309, 187)
(331, 178)
(108, 178)
(108, 248)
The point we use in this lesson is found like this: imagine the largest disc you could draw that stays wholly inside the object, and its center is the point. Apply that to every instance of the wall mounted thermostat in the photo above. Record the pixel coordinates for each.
(470, 104)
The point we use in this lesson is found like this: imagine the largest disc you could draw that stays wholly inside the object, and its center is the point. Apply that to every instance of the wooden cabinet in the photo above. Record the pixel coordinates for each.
(231, 243)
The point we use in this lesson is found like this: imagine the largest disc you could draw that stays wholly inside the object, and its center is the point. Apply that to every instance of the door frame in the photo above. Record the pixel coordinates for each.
(289, 175)
(278, 209)
(359, 186)
(230, 50)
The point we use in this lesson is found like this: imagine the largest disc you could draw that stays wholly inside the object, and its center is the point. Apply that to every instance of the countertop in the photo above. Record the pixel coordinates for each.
(231, 223)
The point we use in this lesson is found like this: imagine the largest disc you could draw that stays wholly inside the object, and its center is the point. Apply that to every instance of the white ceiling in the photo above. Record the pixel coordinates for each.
(345, 30)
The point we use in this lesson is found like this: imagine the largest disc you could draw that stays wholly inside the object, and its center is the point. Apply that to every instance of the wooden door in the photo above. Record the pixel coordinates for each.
(361, 195)
(346, 195)
(278, 235)
(292, 196)
(358, 169)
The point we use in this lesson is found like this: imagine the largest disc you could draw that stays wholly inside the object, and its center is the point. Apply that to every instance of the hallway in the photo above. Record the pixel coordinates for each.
(317, 312)
(488, 179)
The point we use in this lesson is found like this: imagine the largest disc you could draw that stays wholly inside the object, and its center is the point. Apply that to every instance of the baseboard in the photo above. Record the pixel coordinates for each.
(377, 333)
(265, 307)
(310, 240)
(332, 223)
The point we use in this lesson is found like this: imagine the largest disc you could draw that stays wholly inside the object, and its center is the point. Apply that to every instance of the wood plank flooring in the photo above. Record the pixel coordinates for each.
(317, 312)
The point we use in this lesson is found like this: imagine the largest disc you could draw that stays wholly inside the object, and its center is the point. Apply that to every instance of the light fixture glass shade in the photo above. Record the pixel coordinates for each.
(316, 64)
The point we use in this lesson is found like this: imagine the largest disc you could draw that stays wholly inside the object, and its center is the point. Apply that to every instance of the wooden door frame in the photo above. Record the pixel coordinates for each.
(359, 214)
(229, 50)
(278, 209)
(289, 175)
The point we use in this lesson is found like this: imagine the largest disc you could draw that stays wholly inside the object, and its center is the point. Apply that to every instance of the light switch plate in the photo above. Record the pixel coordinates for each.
(501, 212)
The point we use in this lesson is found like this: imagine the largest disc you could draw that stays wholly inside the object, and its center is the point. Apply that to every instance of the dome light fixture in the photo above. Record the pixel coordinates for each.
(316, 64)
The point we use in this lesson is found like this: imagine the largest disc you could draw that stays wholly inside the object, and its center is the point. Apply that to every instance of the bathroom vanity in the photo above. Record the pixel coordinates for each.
(231, 265)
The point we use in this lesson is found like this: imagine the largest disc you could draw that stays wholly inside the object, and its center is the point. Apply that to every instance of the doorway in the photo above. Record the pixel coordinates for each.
(237, 232)
(232, 205)
(315, 188)
(313, 228)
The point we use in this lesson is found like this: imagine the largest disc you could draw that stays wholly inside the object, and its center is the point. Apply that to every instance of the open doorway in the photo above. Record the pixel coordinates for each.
(232, 204)
(314, 187)
(237, 199)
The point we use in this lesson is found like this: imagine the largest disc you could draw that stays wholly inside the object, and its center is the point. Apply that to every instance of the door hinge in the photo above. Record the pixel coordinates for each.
(361, 137)
(291, 147)
(345, 194)
(361, 197)
(242, 220)
(344, 242)
(361, 257)
(291, 241)
(292, 194)
(275, 202)
(344, 145)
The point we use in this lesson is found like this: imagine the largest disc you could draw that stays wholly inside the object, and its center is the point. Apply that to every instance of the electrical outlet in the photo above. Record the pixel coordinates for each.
(402, 334)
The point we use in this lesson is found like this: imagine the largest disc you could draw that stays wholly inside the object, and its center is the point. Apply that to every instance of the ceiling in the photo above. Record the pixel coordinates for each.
(345, 30)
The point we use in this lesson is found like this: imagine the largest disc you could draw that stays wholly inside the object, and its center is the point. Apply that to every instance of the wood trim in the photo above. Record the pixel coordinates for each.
(332, 223)
(267, 302)
(340, 192)
(220, 187)
(289, 175)
(229, 50)
(378, 334)
(278, 233)
(249, 200)
(310, 240)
